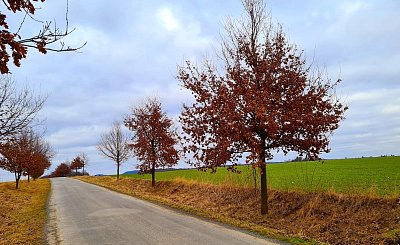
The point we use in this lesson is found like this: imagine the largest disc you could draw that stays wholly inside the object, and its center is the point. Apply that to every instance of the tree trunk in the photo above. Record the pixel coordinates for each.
(254, 174)
(83, 170)
(153, 176)
(117, 170)
(17, 178)
(28, 178)
(264, 189)
(76, 172)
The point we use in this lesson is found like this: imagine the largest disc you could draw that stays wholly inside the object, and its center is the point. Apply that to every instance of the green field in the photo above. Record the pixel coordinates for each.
(362, 176)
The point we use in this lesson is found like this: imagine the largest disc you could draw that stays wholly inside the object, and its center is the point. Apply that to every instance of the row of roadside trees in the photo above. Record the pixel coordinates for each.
(264, 98)
(23, 150)
(154, 141)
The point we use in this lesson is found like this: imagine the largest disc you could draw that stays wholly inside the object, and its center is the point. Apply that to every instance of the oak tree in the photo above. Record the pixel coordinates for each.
(14, 44)
(62, 170)
(77, 163)
(40, 159)
(154, 138)
(25, 154)
(267, 99)
(114, 145)
(15, 156)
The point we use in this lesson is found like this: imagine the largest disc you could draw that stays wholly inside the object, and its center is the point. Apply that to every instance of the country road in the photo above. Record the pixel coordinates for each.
(88, 214)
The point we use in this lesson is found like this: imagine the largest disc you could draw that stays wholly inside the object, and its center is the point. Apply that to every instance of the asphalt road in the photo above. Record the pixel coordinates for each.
(88, 214)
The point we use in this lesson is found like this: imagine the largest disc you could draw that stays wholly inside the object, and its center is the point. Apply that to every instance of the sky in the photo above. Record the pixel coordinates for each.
(134, 48)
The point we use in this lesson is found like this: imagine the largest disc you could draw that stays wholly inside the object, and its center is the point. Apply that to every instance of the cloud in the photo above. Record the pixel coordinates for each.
(185, 31)
(167, 18)
(369, 96)
(76, 136)
(392, 109)
(350, 8)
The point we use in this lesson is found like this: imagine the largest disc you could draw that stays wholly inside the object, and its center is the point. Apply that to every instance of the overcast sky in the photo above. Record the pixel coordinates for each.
(133, 49)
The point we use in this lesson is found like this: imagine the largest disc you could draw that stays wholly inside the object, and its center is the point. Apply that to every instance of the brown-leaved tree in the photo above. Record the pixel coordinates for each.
(62, 170)
(15, 45)
(77, 163)
(267, 100)
(41, 155)
(154, 138)
(25, 154)
(114, 145)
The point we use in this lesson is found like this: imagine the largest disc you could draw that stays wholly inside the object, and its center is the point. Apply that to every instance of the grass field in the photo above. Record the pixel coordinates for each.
(374, 176)
(23, 212)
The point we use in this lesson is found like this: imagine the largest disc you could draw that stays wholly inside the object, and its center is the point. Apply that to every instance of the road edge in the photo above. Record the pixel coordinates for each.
(51, 228)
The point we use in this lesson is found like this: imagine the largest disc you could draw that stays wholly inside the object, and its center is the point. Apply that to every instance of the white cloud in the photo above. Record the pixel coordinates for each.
(391, 109)
(350, 8)
(76, 136)
(375, 96)
(167, 18)
(184, 31)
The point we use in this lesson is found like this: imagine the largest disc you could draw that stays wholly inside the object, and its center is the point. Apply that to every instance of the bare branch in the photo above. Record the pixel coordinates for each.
(18, 109)
(114, 145)
(16, 47)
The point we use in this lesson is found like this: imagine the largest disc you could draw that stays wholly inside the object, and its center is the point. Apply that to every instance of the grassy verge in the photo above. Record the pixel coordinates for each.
(23, 212)
(372, 176)
(296, 217)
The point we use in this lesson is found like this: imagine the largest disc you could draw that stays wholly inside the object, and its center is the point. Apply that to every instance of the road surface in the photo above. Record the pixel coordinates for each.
(88, 214)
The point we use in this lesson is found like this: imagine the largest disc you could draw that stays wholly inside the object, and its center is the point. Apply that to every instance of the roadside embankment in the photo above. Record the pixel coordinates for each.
(297, 217)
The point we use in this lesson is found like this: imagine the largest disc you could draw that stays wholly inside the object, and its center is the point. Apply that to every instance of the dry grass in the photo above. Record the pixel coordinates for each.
(23, 212)
(301, 218)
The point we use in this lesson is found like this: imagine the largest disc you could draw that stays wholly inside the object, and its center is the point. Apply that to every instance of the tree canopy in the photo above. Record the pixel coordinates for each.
(25, 154)
(154, 138)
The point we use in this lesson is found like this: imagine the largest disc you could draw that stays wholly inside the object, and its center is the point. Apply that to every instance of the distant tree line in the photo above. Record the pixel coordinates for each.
(301, 159)
(69, 169)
